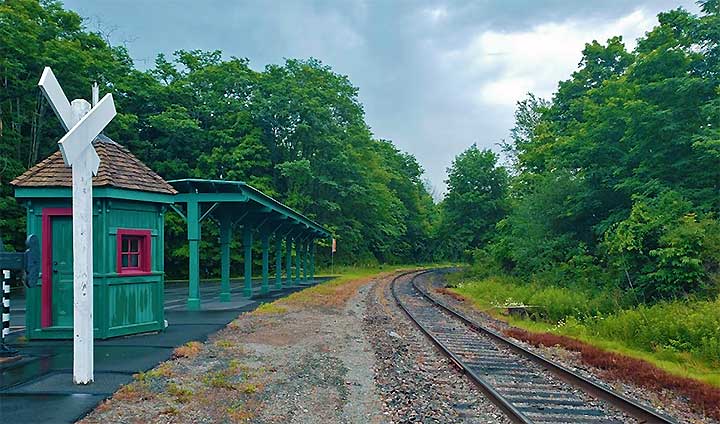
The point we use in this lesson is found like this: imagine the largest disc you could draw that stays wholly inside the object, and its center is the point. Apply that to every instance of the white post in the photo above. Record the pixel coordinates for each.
(95, 94)
(82, 260)
(83, 124)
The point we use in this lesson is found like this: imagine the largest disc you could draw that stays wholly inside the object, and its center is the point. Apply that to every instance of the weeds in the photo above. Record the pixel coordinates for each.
(170, 411)
(133, 392)
(219, 380)
(225, 344)
(236, 367)
(237, 413)
(188, 350)
(250, 388)
(182, 394)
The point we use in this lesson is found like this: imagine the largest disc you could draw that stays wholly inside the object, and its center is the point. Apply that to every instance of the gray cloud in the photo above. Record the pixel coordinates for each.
(424, 69)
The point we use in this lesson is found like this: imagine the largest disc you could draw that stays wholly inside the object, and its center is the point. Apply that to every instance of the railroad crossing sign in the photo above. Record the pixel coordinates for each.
(83, 123)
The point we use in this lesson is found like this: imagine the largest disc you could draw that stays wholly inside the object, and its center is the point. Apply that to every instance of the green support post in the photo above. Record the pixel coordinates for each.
(193, 224)
(305, 247)
(247, 245)
(297, 261)
(312, 260)
(288, 261)
(278, 262)
(225, 237)
(265, 237)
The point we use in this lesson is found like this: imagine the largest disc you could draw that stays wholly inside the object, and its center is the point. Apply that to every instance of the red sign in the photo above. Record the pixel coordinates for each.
(334, 246)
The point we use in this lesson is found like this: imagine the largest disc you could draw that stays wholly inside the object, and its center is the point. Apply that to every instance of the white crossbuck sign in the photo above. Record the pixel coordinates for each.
(83, 123)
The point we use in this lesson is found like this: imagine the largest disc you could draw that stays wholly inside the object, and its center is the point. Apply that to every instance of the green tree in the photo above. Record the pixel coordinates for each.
(34, 35)
(296, 131)
(475, 201)
(619, 170)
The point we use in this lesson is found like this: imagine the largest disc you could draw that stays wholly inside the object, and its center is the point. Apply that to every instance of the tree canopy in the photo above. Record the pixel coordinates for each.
(295, 131)
(615, 179)
(611, 182)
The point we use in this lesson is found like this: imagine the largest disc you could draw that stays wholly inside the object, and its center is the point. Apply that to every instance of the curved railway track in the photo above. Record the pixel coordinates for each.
(526, 386)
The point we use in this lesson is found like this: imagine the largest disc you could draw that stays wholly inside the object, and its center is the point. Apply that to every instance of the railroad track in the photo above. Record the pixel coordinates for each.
(526, 386)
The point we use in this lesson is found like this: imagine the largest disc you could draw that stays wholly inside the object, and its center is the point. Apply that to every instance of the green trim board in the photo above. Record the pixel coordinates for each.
(99, 192)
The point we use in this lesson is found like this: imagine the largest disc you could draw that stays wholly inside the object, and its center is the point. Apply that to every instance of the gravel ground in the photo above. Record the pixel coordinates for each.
(318, 360)
(321, 371)
(664, 401)
(416, 382)
(354, 360)
(305, 365)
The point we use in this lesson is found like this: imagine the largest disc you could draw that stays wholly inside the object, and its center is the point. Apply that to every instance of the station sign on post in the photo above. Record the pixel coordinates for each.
(332, 256)
(83, 123)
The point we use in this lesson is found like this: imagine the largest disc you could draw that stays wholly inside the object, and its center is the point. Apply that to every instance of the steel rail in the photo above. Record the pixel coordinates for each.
(622, 402)
(508, 408)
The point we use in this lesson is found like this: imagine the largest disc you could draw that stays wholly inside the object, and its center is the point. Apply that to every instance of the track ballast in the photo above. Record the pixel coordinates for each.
(519, 383)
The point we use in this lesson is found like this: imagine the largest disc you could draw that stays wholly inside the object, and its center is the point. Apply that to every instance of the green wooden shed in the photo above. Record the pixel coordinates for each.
(129, 202)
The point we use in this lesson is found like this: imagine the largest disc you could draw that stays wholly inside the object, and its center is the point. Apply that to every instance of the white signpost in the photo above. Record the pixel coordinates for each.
(83, 123)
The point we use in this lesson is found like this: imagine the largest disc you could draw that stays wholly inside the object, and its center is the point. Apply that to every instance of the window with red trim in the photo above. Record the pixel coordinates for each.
(133, 251)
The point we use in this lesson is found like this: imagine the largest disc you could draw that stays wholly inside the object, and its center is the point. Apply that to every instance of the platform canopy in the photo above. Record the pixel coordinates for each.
(235, 204)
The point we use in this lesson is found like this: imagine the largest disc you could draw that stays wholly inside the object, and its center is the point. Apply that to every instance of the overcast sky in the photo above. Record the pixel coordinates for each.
(434, 77)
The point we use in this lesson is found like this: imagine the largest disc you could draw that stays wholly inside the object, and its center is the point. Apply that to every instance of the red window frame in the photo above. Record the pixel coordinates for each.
(144, 252)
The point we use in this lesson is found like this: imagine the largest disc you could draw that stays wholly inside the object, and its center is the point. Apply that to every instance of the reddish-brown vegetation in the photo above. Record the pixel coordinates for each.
(450, 293)
(188, 350)
(636, 371)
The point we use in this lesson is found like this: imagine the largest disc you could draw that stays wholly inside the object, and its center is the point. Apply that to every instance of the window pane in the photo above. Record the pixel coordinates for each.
(124, 260)
(134, 244)
(134, 261)
(125, 244)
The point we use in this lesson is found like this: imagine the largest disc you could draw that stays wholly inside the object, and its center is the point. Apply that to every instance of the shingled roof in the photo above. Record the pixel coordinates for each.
(118, 168)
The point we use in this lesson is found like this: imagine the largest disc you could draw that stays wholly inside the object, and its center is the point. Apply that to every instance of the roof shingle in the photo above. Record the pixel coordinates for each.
(118, 168)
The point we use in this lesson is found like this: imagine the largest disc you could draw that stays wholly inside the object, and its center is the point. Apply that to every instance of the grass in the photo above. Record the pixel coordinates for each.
(181, 394)
(269, 309)
(680, 337)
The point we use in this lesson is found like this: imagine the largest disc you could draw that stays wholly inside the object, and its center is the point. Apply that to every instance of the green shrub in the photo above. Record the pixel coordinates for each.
(559, 303)
(679, 326)
(688, 326)
(665, 249)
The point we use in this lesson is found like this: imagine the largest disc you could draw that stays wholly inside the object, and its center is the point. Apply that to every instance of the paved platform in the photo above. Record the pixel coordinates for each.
(39, 389)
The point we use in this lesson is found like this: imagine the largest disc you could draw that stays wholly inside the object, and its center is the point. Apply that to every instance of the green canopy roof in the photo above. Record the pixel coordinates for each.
(223, 193)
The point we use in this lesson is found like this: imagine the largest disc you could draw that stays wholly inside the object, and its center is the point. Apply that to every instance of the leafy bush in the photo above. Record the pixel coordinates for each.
(680, 326)
(530, 238)
(687, 326)
(553, 303)
(664, 248)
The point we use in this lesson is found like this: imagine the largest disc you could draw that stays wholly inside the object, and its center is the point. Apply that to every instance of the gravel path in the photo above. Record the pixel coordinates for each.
(303, 364)
(415, 381)
(321, 368)
(664, 401)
